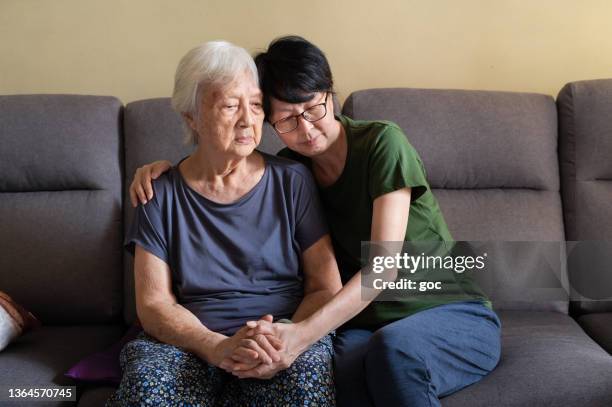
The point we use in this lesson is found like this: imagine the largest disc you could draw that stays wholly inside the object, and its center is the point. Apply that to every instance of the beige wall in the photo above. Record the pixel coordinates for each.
(130, 48)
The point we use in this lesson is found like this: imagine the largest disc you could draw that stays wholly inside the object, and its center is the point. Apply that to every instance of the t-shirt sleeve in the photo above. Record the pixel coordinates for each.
(147, 231)
(310, 223)
(395, 164)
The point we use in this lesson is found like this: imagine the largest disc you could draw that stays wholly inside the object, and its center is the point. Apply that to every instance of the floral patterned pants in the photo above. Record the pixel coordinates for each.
(158, 374)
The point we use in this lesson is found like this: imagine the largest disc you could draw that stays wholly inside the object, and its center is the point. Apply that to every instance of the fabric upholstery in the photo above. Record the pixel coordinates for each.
(95, 396)
(585, 149)
(599, 327)
(502, 214)
(60, 205)
(59, 142)
(41, 357)
(585, 133)
(547, 360)
(472, 139)
(491, 159)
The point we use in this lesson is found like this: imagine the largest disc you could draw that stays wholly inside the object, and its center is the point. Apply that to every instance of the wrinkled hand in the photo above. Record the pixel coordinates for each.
(290, 348)
(246, 350)
(141, 189)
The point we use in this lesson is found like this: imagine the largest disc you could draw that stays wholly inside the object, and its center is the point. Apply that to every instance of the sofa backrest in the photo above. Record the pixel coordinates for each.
(60, 206)
(154, 131)
(585, 134)
(491, 160)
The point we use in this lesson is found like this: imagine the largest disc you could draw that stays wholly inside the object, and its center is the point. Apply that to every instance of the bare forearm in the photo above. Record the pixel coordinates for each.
(389, 223)
(311, 303)
(175, 325)
(346, 304)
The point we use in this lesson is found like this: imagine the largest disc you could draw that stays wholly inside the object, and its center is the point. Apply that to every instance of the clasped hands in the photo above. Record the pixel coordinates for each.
(260, 349)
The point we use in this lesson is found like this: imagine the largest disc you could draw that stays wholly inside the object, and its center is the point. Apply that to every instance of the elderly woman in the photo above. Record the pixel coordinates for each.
(231, 235)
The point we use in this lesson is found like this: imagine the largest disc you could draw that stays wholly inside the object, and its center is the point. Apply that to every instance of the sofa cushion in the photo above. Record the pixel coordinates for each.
(95, 396)
(502, 214)
(585, 148)
(491, 160)
(547, 360)
(472, 139)
(44, 355)
(41, 357)
(585, 143)
(60, 205)
(589, 264)
(599, 327)
(59, 142)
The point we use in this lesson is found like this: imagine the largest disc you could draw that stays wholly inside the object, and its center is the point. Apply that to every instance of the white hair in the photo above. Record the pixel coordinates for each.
(205, 65)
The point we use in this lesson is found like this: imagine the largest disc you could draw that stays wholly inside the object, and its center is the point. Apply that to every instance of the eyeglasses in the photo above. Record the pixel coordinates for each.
(312, 114)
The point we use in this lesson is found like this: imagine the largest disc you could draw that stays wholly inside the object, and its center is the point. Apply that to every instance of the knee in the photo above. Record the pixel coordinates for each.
(144, 363)
(149, 384)
(318, 358)
(314, 386)
(388, 350)
(312, 368)
(139, 386)
(311, 377)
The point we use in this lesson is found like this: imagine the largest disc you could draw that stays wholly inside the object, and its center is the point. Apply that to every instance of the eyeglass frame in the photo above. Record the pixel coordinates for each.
(296, 116)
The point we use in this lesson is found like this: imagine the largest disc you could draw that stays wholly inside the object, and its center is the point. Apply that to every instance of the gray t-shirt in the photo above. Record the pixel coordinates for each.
(235, 262)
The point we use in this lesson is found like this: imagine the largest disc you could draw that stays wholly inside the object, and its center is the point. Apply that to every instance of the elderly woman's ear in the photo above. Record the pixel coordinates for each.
(190, 120)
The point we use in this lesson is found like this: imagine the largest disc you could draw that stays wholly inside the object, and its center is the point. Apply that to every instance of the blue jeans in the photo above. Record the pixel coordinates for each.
(416, 360)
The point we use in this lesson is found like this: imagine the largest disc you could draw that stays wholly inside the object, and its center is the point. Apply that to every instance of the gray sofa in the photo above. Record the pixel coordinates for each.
(504, 166)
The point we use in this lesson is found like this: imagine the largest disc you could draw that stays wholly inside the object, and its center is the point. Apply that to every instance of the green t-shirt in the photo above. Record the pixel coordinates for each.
(380, 160)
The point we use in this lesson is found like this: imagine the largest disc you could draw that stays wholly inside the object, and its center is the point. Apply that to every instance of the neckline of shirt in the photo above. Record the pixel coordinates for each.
(244, 198)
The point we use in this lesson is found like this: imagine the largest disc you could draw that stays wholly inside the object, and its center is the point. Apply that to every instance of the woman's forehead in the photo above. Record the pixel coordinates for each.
(238, 87)
(280, 106)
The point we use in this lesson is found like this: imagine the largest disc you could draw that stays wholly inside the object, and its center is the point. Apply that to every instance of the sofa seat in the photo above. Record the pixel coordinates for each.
(41, 357)
(599, 327)
(547, 360)
(95, 396)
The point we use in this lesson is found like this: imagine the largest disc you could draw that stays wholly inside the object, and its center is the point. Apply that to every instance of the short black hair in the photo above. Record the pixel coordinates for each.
(292, 70)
